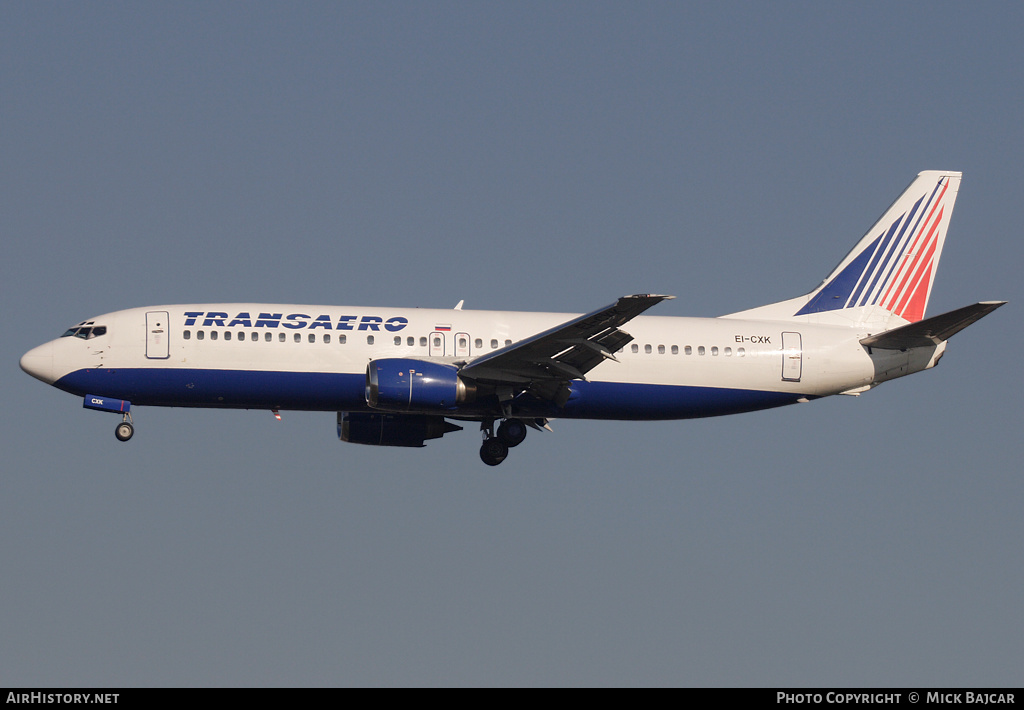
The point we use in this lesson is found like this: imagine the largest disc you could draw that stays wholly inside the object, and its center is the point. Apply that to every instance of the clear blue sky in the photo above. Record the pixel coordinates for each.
(526, 156)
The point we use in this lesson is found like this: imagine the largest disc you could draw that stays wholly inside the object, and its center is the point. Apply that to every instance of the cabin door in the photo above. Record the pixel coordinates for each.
(157, 342)
(792, 357)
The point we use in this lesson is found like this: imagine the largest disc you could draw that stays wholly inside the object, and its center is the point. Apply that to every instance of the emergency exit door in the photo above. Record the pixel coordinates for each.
(436, 348)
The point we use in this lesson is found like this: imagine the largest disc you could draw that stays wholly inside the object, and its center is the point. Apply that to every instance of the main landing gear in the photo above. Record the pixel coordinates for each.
(494, 450)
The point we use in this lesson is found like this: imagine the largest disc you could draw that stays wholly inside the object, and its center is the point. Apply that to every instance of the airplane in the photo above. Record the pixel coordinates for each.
(402, 376)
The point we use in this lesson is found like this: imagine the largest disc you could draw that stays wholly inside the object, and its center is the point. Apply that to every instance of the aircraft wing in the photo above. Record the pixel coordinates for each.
(547, 360)
(931, 331)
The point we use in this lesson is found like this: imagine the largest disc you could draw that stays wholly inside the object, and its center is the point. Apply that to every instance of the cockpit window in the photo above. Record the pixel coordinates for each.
(86, 332)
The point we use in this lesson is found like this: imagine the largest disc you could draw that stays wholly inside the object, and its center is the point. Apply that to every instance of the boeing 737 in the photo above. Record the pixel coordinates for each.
(402, 376)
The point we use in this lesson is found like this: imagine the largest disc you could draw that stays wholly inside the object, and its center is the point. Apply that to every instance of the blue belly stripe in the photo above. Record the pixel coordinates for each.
(326, 391)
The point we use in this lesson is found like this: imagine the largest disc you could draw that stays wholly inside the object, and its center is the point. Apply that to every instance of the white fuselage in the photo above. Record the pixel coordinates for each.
(315, 357)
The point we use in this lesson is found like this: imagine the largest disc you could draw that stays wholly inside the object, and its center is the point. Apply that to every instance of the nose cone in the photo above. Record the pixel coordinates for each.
(38, 362)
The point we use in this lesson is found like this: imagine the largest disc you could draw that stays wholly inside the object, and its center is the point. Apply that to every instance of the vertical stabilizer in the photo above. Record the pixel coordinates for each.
(891, 269)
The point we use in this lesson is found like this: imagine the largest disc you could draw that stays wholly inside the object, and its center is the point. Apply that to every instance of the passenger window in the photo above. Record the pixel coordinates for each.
(281, 337)
(462, 342)
(647, 349)
(369, 340)
(268, 336)
(728, 352)
(311, 337)
(410, 341)
(213, 335)
(635, 348)
(675, 349)
(327, 337)
(494, 344)
(341, 338)
(254, 337)
(398, 340)
(700, 349)
(507, 343)
(714, 350)
(661, 349)
(688, 350)
(478, 343)
(437, 342)
(187, 335)
(227, 335)
(741, 351)
(423, 341)
(199, 335)
(297, 338)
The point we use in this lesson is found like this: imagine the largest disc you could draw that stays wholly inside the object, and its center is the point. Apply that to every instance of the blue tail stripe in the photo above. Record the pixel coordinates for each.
(874, 260)
(887, 251)
(834, 296)
(901, 244)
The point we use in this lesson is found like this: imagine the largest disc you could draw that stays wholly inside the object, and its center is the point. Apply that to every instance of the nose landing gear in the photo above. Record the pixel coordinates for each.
(125, 429)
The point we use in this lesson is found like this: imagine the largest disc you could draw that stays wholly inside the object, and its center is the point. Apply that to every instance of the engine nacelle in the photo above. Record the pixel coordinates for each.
(380, 429)
(405, 385)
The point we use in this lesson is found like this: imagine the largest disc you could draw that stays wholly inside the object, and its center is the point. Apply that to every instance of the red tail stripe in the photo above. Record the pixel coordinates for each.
(919, 259)
(915, 286)
(915, 309)
(897, 284)
(892, 290)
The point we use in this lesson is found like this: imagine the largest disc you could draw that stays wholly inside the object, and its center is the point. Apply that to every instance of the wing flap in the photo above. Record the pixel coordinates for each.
(931, 331)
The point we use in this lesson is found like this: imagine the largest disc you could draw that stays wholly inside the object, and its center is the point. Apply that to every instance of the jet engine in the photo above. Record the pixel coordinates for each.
(380, 429)
(405, 385)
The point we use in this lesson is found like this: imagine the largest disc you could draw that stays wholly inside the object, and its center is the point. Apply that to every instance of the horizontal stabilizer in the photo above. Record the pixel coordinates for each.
(931, 331)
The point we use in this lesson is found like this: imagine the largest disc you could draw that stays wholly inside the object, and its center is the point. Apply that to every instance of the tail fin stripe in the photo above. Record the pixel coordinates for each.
(901, 250)
(836, 293)
(843, 290)
(880, 252)
(889, 250)
(903, 267)
(922, 263)
(915, 308)
(912, 287)
(913, 258)
(873, 250)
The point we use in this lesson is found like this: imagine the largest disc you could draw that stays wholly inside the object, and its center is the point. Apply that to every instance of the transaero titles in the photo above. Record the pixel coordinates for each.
(295, 321)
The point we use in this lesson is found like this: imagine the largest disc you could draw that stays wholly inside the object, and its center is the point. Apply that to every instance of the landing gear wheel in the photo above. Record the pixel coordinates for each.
(124, 431)
(493, 451)
(512, 432)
